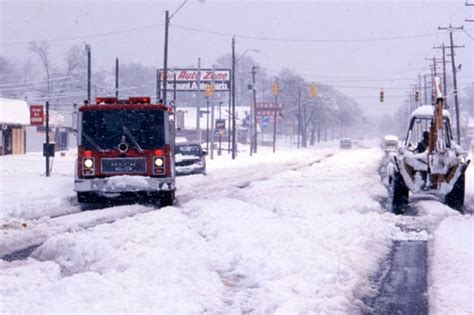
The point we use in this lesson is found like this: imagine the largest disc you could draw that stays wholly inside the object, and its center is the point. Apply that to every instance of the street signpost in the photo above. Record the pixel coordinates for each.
(187, 79)
(36, 115)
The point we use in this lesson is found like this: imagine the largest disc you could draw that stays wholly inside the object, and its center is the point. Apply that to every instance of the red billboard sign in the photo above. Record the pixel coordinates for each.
(266, 112)
(36, 115)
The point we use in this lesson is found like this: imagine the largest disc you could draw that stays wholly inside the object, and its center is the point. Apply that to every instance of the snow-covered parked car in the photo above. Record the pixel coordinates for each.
(429, 161)
(190, 158)
(390, 143)
(345, 143)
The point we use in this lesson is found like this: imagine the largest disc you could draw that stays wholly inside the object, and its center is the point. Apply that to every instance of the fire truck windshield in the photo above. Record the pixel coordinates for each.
(142, 128)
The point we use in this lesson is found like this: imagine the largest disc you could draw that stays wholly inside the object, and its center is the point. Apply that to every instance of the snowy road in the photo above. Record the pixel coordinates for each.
(293, 235)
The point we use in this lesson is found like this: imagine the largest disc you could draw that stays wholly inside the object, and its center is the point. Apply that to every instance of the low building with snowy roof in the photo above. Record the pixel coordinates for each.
(14, 117)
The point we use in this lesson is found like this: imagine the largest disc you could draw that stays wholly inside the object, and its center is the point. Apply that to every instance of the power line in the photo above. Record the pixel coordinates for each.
(282, 39)
(84, 36)
(17, 84)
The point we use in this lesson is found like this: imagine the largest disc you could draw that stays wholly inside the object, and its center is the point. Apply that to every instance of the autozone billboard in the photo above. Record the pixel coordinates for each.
(187, 79)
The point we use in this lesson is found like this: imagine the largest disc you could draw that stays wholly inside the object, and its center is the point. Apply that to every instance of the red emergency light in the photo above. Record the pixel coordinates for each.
(139, 100)
(105, 100)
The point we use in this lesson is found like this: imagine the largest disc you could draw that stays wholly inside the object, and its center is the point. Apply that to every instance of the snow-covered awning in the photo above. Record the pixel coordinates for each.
(14, 112)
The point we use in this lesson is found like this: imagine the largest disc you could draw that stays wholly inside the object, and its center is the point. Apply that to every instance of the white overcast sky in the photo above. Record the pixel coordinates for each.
(338, 63)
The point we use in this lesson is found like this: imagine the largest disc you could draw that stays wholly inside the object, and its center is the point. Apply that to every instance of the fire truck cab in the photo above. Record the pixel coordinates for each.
(124, 151)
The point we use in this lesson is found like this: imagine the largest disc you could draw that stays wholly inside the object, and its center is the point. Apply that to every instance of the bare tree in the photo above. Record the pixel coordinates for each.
(41, 50)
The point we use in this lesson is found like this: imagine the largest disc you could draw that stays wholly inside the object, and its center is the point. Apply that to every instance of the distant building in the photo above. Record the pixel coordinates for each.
(14, 117)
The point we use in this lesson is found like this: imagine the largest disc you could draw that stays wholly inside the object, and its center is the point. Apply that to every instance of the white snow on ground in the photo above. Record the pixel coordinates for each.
(451, 283)
(452, 267)
(303, 240)
(266, 234)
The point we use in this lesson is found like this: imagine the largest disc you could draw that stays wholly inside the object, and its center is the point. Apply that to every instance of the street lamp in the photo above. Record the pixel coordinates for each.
(234, 129)
(165, 56)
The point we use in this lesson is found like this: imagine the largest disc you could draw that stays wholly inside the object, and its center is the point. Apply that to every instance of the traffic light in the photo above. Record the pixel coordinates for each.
(314, 90)
(209, 90)
(417, 96)
(381, 96)
(275, 88)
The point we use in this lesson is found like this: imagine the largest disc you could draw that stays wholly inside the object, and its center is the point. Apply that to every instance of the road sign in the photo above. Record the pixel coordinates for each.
(265, 121)
(36, 115)
(220, 126)
(187, 79)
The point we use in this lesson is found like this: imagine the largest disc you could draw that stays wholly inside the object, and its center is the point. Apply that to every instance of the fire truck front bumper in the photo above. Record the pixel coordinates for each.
(122, 184)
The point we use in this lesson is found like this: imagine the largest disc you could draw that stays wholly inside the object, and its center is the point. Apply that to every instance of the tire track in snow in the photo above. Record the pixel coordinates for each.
(80, 219)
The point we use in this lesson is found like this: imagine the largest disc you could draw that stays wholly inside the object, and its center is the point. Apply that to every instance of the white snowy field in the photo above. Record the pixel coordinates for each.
(296, 232)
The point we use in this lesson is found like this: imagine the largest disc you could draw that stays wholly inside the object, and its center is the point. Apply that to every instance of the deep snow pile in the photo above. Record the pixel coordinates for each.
(452, 267)
(304, 240)
(451, 283)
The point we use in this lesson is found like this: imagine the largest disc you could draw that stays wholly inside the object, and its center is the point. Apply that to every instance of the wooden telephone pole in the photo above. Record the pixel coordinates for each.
(453, 64)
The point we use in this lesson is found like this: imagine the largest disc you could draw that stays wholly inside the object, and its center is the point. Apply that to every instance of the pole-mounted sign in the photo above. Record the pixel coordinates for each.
(36, 115)
(186, 80)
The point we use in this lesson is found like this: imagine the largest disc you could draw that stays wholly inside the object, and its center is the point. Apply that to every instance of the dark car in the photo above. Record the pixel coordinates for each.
(190, 158)
(345, 143)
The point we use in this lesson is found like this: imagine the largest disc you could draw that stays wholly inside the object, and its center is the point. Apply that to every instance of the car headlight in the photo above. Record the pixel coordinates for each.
(159, 162)
(88, 163)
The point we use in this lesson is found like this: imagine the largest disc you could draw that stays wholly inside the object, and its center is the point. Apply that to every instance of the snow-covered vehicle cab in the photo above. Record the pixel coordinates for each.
(190, 158)
(345, 143)
(429, 161)
(124, 150)
(390, 143)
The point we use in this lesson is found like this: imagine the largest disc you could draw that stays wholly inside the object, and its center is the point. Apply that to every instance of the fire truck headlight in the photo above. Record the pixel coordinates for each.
(159, 162)
(88, 163)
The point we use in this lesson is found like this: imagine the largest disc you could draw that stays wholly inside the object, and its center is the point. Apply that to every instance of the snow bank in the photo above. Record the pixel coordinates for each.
(451, 289)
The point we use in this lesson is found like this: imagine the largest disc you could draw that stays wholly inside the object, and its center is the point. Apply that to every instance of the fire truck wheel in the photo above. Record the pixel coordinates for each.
(167, 198)
(455, 198)
(399, 194)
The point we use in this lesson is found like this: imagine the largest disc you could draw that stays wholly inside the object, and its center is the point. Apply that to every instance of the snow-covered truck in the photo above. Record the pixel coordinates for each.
(124, 151)
(429, 161)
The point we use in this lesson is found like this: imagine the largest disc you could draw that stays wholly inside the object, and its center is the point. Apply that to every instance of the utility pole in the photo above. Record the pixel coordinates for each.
(234, 138)
(198, 107)
(165, 57)
(434, 73)
(158, 86)
(254, 91)
(88, 51)
(207, 124)
(303, 138)
(219, 151)
(426, 98)
(174, 89)
(455, 87)
(299, 119)
(275, 90)
(213, 123)
(47, 149)
(116, 77)
(445, 86)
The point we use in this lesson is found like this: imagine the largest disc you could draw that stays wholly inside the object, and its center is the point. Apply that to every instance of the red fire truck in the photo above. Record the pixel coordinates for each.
(124, 151)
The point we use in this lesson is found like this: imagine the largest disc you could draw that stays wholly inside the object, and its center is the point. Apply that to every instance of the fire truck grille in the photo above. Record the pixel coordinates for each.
(123, 165)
